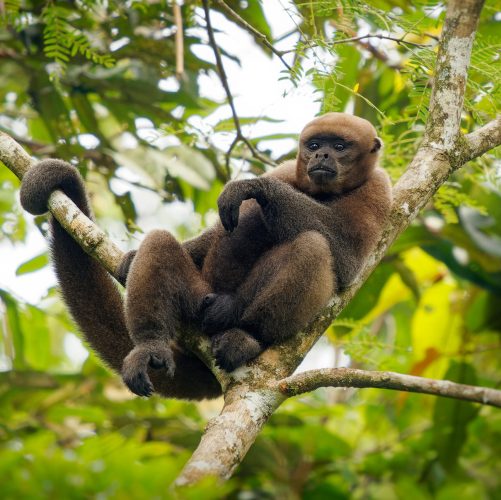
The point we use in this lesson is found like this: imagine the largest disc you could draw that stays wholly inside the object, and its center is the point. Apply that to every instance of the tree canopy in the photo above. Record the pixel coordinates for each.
(118, 88)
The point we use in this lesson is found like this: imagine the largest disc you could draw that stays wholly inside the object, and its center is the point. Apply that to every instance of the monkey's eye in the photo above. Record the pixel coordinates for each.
(313, 146)
(339, 147)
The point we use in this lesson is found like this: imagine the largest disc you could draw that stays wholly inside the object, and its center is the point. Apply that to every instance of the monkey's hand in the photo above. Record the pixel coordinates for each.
(154, 354)
(232, 197)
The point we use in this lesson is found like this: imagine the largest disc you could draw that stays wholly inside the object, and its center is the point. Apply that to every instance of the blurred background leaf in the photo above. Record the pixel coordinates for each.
(95, 83)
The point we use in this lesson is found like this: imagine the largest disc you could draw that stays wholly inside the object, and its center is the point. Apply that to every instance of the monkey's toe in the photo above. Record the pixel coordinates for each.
(208, 300)
(234, 348)
(135, 366)
(139, 383)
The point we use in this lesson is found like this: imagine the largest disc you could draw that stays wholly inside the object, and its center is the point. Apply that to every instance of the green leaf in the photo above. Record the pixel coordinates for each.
(228, 124)
(452, 417)
(34, 264)
(366, 297)
(13, 330)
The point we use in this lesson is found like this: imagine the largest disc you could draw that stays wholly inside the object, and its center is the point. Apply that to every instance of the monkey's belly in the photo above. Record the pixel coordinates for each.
(232, 257)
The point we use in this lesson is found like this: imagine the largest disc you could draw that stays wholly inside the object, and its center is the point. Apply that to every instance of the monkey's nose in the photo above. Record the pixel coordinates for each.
(325, 155)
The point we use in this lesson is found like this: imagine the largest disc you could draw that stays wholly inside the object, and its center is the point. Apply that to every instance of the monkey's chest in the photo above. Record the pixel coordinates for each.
(233, 255)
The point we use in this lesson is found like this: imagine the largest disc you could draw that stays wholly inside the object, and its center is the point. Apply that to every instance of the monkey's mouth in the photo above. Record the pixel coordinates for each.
(322, 168)
(321, 173)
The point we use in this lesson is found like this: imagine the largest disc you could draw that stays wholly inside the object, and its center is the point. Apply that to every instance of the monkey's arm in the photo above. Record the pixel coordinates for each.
(287, 212)
(199, 246)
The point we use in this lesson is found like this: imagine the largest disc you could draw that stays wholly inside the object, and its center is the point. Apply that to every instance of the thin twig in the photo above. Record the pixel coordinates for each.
(166, 196)
(37, 147)
(178, 18)
(224, 81)
(399, 41)
(382, 56)
(351, 377)
(261, 37)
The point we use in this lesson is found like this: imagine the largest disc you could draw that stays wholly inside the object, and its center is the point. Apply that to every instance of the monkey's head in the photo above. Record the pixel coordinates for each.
(337, 153)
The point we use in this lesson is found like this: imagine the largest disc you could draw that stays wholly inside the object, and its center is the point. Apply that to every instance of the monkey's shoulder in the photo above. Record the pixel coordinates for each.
(375, 192)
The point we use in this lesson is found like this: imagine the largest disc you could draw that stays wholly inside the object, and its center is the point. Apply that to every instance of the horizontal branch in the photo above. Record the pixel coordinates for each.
(398, 40)
(350, 377)
(483, 139)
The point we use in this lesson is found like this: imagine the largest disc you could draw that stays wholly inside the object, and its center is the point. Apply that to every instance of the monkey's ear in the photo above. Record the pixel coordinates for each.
(378, 144)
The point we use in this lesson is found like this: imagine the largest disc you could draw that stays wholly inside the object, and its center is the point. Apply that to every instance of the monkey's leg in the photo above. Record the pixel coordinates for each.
(164, 289)
(284, 291)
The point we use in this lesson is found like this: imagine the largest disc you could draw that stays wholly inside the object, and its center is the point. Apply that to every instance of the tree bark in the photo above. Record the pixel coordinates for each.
(350, 377)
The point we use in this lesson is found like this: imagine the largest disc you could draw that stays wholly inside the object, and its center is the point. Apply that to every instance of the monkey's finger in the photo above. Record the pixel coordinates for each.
(234, 216)
(170, 368)
(225, 216)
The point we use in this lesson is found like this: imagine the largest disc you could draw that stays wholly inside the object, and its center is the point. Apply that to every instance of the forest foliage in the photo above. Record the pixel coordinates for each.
(95, 83)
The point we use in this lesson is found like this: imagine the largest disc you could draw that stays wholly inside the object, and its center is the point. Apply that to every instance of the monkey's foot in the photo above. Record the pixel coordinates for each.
(124, 266)
(218, 312)
(154, 354)
(233, 348)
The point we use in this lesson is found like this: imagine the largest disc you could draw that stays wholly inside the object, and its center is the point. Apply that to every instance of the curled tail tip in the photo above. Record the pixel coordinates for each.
(44, 178)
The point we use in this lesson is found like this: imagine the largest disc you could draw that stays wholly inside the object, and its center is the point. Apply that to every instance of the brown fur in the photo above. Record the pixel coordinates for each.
(293, 237)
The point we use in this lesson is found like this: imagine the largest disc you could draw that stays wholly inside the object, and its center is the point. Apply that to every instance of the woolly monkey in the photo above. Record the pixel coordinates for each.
(287, 241)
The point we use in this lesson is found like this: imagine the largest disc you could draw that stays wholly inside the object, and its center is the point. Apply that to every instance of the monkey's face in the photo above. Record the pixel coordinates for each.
(337, 153)
(325, 155)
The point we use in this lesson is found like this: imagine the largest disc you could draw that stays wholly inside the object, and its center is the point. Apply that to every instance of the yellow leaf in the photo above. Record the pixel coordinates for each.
(398, 82)
(437, 326)
(425, 268)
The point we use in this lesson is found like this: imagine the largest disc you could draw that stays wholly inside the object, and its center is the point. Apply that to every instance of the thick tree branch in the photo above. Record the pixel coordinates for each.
(451, 71)
(350, 377)
(229, 436)
(483, 139)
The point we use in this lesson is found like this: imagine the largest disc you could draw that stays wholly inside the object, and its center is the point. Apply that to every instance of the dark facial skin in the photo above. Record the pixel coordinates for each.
(325, 155)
